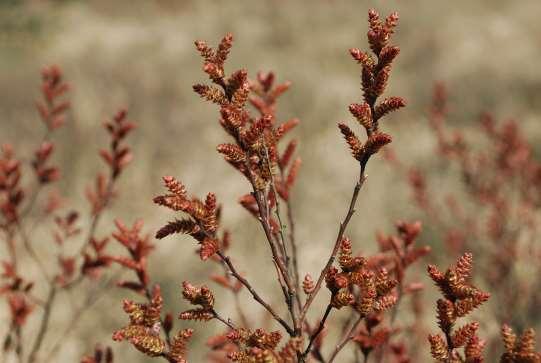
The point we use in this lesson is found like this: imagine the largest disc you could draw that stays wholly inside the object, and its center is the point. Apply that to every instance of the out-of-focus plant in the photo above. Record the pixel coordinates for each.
(519, 349)
(22, 210)
(368, 289)
(493, 211)
(100, 356)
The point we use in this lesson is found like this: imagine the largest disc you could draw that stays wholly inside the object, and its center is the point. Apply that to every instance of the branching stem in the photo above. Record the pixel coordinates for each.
(255, 295)
(319, 329)
(341, 231)
(346, 338)
(43, 325)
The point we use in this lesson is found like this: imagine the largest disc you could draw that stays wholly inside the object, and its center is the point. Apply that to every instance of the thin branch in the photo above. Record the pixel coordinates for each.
(92, 230)
(36, 192)
(292, 293)
(19, 345)
(242, 316)
(394, 312)
(277, 209)
(292, 241)
(318, 331)
(255, 295)
(341, 231)
(33, 254)
(92, 298)
(281, 282)
(266, 227)
(33, 198)
(294, 251)
(96, 217)
(10, 241)
(43, 325)
(347, 337)
(223, 320)
(238, 307)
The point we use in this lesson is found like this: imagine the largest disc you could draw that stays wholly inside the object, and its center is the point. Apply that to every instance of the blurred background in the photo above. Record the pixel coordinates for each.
(140, 54)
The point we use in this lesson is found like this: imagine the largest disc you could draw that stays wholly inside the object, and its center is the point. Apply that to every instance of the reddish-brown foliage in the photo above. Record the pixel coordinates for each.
(368, 290)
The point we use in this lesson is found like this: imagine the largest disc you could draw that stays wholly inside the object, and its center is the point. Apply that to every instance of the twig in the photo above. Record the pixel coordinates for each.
(10, 241)
(92, 298)
(19, 346)
(265, 224)
(277, 210)
(255, 295)
(242, 316)
(235, 293)
(342, 229)
(347, 337)
(33, 254)
(223, 320)
(292, 293)
(96, 217)
(394, 312)
(318, 331)
(294, 253)
(43, 325)
(266, 228)
(93, 226)
(292, 241)
(34, 197)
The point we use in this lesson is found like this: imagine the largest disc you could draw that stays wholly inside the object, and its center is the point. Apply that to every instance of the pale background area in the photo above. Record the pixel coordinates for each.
(140, 54)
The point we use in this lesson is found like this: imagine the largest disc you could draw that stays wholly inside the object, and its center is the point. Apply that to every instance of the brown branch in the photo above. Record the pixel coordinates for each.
(92, 298)
(292, 293)
(238, 307)
(266, 227)
(317, 332)
(34, 197)
(341, 231)
(292, 241)
(294, 251)
(345, 339)
(10, 241)
(19, 345)
(92, 230)
(33, 254)
(96, 217)
(43, 325)
(223, 320)
(281, 282)
(277, 210)
(240, 311)
(255, 295)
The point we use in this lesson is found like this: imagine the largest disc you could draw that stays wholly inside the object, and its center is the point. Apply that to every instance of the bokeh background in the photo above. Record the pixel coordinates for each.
(140, 54)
